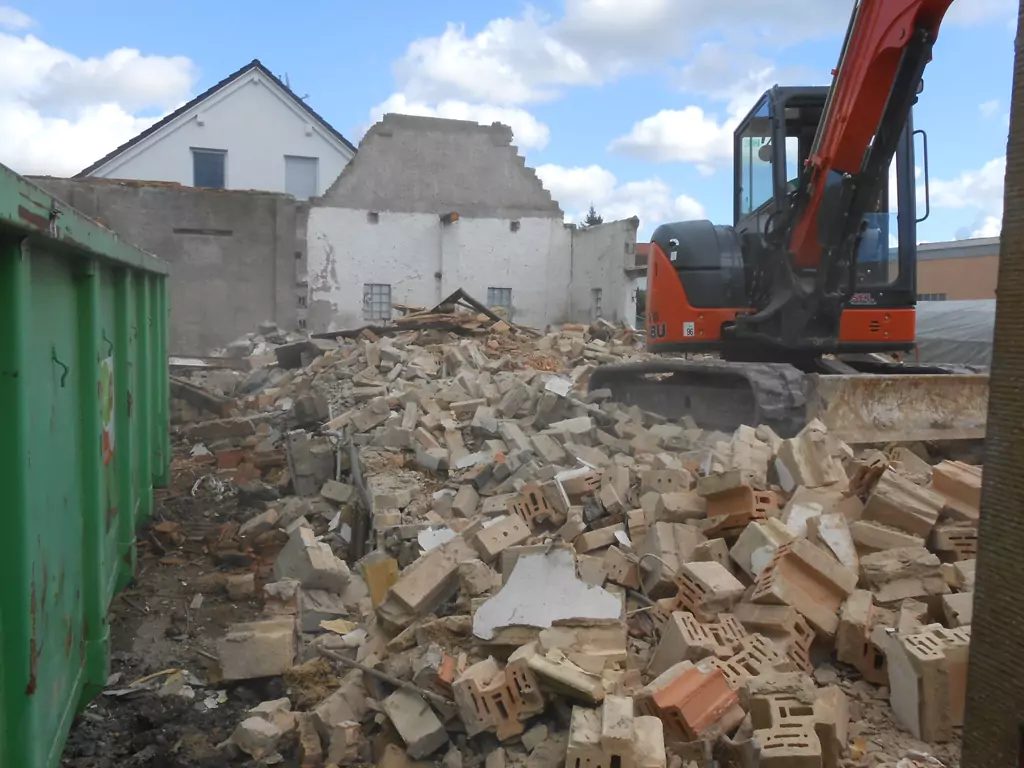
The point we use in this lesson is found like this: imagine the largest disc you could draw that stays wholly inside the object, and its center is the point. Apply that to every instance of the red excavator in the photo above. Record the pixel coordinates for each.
(817, 274)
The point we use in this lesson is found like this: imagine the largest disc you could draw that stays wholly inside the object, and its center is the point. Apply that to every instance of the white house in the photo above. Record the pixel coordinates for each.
(249, 131)
(430, 206)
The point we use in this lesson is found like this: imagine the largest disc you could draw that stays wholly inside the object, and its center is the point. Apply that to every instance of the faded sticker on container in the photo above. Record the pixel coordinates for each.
(106, 392)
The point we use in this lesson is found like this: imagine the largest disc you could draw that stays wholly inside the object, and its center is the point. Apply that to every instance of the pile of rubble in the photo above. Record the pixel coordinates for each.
(481, 563)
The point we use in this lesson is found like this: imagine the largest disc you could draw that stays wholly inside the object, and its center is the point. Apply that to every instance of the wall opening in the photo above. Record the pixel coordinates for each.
(372, 217)
(500, 298)
(513, 226)
(596, 311)
(376, 302)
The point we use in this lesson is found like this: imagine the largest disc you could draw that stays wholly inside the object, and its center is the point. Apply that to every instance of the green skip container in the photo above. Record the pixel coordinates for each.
(84, 393)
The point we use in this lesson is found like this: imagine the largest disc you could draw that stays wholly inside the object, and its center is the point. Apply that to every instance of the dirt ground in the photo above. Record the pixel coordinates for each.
(156, 626)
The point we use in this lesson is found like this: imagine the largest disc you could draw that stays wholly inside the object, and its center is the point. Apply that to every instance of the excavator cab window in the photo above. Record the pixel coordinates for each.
(755, 183)
(772, 147)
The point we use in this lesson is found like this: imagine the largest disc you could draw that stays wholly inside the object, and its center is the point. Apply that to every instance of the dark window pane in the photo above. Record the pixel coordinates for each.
(208, 168)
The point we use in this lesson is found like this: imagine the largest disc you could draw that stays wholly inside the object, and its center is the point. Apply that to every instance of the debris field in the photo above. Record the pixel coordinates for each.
(454, 555)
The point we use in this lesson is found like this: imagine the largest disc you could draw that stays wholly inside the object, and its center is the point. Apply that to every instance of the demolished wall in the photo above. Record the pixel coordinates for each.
(233, 254)
(383, 223)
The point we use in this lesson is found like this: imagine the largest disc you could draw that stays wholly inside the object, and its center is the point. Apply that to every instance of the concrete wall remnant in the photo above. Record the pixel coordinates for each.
(385, 225)
(234, 255)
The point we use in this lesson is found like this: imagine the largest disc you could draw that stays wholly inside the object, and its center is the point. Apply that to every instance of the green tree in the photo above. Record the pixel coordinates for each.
(593, 218)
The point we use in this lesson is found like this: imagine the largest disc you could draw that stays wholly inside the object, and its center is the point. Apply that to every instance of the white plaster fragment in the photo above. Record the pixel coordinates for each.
(542, 589)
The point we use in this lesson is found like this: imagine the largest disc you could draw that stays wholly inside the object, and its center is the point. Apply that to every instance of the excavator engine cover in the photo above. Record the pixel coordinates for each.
(697, 279)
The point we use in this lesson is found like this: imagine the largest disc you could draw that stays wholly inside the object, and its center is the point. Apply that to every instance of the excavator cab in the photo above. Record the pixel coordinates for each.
(701, 277)
(771, 149)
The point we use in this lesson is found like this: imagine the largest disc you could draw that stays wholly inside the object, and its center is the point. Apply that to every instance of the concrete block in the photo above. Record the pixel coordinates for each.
(429, 581)
(584, 747)
(621, 568)
(955, 541)
(514, 436)
(960, 486)
(853, 638)
(730, 512)
(312, 563)
(755, 657)
(707, 589)
(258, 649)
(874, 537)
(466, 501)
(316, 605)
(756, 545)
(958, 609)
(339, 493)
(533, 507)
(908, 572)
(490, 541)
(649, 742)
(680, 507)
(808, 460)
(796, 746)
(899, 503)
(672, 544)
(257, 737)
(831, 532)
(548, 449)
(599, 539)
(809, 580)
(666, 481)
(558, 674)
(415, 722)
(928, 673)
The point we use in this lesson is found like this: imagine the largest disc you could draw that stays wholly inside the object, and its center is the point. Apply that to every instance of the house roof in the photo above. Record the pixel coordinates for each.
(254, 64)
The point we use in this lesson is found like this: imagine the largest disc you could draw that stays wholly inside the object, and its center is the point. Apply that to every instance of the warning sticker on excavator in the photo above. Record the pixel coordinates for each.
(688, 329)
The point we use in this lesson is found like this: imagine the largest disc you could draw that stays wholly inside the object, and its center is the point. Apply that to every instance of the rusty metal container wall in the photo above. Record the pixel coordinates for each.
(83, 403)
(994, 727)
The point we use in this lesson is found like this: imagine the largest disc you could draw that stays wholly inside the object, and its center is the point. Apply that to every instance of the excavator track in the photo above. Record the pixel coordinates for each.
(900, 404)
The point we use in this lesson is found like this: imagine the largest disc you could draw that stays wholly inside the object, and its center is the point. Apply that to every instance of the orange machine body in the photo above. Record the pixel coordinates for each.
(674, 324)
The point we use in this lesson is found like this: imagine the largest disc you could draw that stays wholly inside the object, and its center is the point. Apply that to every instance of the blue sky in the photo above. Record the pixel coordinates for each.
(626, 103)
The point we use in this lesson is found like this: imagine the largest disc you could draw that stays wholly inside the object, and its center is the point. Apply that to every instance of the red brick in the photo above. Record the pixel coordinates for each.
(694, 702)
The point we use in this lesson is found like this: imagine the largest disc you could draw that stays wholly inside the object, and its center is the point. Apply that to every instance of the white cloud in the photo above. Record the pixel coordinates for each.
(989, 108)
(990, 226)
(59, 112)
(650, 199)
(685, 135)
(980, 191)
(12, 18)
(511, 61)
(981, 11)
(982, 188)
(529, 132)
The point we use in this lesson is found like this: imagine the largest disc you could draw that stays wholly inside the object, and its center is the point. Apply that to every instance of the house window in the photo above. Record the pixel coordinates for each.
(301, 176)
(931, 297)
(376, 301)
(500, 298)
(596, 295)
(208, 168)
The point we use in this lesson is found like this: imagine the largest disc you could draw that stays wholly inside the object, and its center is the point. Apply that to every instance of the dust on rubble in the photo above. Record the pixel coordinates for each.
(426, 544)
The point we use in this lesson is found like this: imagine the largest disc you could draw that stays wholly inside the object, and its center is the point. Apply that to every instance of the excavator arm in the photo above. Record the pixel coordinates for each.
(808, 260)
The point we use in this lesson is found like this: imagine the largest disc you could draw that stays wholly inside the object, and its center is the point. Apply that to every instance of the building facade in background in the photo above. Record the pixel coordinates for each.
(249, 131)
(429, 206)
(957, 270)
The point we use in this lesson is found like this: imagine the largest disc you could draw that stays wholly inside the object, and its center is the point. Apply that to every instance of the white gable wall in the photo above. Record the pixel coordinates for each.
(254, 121)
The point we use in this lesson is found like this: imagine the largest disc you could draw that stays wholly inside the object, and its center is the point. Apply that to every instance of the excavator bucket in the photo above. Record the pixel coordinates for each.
(866, 408)
(858, 408)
